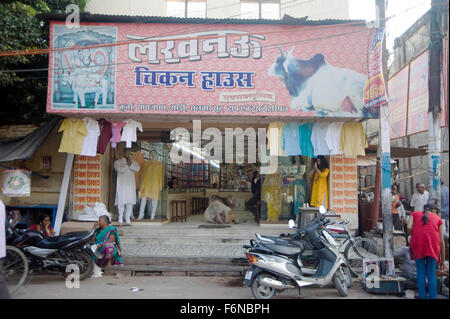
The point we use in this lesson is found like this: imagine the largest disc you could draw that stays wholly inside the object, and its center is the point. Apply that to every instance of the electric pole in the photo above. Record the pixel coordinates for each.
(384, 147)
(434, 99)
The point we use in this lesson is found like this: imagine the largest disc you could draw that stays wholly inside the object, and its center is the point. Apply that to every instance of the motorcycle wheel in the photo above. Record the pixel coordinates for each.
(354, 254)
(85, 263)
(262, 292)
(15, 269)
(340, 281)
(348, 277)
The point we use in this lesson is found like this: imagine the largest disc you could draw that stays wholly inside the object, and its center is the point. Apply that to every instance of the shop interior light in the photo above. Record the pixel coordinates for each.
(194, 153)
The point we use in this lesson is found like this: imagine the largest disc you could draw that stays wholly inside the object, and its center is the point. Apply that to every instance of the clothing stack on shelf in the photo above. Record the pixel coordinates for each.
(314, 139)
(90, 137)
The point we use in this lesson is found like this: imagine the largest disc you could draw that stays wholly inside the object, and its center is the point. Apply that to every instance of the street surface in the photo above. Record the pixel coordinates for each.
(45, 286)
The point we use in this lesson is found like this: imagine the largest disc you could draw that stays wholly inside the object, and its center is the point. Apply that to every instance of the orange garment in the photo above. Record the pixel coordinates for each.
(394, 204)
(139, 158)
(320, 188)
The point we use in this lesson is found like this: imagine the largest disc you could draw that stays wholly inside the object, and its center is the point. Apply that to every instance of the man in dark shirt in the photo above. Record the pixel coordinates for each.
(251, 204)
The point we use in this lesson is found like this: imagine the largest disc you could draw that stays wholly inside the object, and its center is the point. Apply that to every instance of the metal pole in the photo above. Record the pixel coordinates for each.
(63, 193)
(434, 106)
(384, 149)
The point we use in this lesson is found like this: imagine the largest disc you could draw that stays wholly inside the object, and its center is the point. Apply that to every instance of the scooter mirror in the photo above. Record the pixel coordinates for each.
(291, 223)
(322, 209)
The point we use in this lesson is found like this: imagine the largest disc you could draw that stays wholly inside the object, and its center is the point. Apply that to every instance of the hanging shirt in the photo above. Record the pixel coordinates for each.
(318, 141)
(333, 138)
(73, 136)
(129, 132)
(152, 180)
(91, 139)
(353, 139)
(126, 184)
(116, 137)
(275, 139)
(306, 146)
(139, 158)
(105, 135)
(291, 139)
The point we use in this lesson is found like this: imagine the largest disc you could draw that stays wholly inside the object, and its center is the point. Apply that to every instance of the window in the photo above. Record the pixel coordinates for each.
(260, 9)
(186, 8)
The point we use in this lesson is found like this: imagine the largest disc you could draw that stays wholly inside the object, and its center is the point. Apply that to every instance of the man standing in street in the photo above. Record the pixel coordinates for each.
(419, 198)
(4, 294)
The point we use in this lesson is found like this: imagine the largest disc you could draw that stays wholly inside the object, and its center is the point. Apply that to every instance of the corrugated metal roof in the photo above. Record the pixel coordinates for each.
(287, 20)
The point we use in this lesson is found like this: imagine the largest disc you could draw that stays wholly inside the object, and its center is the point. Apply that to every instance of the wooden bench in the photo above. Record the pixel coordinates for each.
(199, 205)
(178, 210)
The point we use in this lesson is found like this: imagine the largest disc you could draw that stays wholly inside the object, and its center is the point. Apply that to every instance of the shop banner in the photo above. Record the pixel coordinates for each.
(375, 89)
(398, 102)
(16, 183)
(418, 95)
(211, 69)
(87, 182)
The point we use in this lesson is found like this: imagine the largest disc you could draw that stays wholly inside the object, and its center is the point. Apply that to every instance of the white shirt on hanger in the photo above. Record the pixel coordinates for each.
(318, 133)
(333, 138)
(129, 132)
(91, 139)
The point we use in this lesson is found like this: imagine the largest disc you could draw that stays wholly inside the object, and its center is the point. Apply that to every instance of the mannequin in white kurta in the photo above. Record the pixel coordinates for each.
(126, 186)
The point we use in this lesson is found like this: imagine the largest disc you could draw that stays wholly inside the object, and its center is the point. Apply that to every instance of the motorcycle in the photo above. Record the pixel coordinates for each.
(55, 254)
(276, 263)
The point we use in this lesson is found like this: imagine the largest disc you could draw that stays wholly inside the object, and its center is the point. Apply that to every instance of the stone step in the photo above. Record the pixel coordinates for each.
(204, 261)
(215, 270)
(144, 239)
(207, 250)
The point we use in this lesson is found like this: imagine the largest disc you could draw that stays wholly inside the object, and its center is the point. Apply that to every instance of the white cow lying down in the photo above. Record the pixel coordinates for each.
(316, 84)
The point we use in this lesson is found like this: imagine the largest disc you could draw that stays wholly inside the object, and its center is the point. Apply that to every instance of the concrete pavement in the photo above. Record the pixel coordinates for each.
(45, 286)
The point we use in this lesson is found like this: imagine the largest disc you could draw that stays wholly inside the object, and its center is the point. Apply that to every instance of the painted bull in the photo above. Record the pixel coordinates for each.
(316, 85)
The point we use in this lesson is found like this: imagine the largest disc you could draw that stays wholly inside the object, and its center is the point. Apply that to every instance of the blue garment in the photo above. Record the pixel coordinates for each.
(291, 139)
(318, 140)
(426, 268)
(444, 202)
(305, 139)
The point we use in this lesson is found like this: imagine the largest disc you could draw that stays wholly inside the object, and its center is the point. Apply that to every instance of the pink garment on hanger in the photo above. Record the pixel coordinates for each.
(116, 136)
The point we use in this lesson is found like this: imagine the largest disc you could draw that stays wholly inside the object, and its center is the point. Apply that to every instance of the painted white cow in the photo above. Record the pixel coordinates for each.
(317, 85)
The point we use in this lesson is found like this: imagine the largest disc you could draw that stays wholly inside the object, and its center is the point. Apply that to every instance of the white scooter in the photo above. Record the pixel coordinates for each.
(276, 263)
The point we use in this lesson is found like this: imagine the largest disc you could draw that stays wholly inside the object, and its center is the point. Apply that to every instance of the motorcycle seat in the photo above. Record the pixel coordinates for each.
(284, 249)
(57, 242)
(276, 240)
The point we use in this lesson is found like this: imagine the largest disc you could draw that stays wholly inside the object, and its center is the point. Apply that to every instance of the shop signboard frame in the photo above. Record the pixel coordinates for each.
(212, 69)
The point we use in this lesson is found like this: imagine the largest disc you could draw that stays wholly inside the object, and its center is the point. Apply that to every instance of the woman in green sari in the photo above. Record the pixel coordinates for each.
(108, 243)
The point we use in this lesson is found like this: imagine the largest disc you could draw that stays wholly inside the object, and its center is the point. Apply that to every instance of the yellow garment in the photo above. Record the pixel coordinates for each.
(152, 180)
(353, 139)
(73, 136)
(139, 158)
(271, 193)
(320, 187)
(275, 145)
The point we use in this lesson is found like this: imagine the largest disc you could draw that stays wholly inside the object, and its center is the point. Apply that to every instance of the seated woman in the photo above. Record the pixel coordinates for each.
(220, 211)
(107, 239)
(44, 226)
